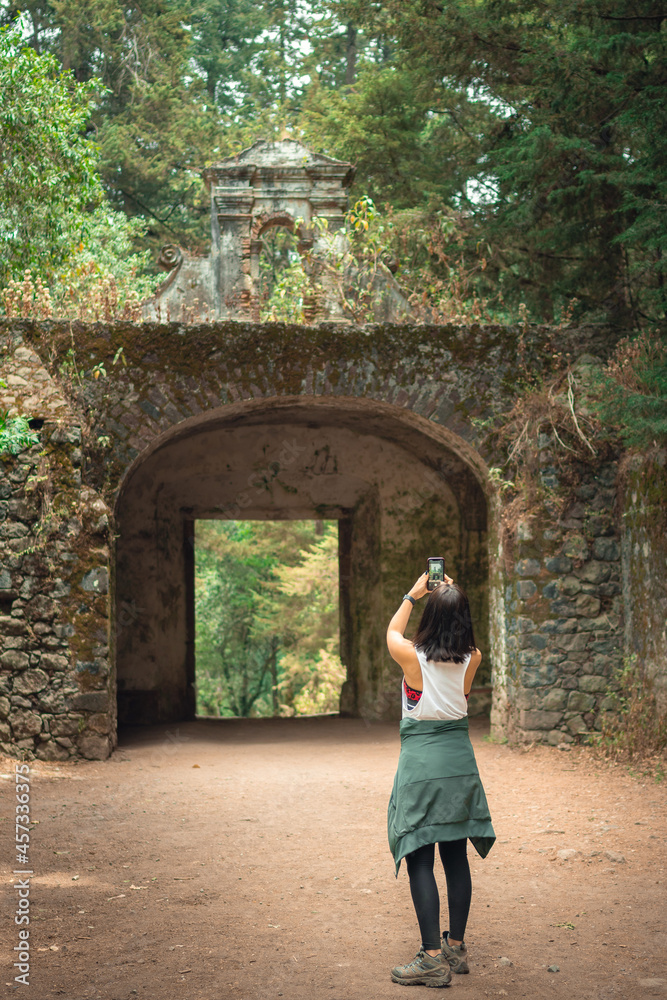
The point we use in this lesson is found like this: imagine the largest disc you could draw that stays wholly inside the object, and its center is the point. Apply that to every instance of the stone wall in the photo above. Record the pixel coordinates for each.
(644, 557)
(386, 420)
(55, 674)
(561, 615)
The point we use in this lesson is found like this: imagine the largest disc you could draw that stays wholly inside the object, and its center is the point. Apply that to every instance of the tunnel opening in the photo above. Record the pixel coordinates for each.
(399, 487)
(267, 637)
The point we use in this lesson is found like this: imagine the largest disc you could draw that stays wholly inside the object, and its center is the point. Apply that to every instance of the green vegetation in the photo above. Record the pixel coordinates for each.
(266, 606)
(15, 432)
(518, 150)
(634, 728)
(55, 221)
(632, 391)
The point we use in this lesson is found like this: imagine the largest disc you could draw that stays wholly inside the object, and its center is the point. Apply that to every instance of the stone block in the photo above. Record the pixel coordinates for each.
(537, 719)
(558, 565)
(539, 677)
(528, 698)
(606, 646)
(94, 747)
(569, 585)
(65, 725)
(96, 580)
(576, 724)
(524, 624)
(525, 589)
(587, 605)
(533, 642)
(14, 660)
(54, 661)
(529, 658)
(25, 724)
(576, 547)
(609, 704)
(92, 701)
(564, 608)
(558, 626)
(600, 624)
(12, 626)
(607, 549)
(600, 524)
(593, 683)
(4, 707)
(594, 571)
(573, 642)
(580, 702)
(528, 567)
(99, 722)
(555, 700)
(570, 683)
(30, 681)
(51, 751)
(554, 658)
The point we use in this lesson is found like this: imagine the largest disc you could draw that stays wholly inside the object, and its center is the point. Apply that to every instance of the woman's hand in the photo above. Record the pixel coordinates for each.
(419, 589)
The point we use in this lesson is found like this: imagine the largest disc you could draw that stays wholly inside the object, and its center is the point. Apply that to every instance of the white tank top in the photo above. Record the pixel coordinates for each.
(442, 690)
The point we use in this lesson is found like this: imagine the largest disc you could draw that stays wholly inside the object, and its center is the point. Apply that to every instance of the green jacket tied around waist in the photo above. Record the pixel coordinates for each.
(437, 794)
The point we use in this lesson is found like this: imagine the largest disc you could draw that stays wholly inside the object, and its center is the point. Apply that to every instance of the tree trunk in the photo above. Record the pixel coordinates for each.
(351, 56)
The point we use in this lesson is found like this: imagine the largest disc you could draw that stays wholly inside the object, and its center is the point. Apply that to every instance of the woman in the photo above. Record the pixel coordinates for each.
(437, 795)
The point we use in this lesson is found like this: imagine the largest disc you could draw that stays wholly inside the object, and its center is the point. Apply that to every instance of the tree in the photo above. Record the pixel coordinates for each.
(49, 169)
(548, 123)
(267, 617)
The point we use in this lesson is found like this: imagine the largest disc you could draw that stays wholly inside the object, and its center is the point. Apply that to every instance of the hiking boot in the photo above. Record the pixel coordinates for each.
(423, 970)
(455, 955)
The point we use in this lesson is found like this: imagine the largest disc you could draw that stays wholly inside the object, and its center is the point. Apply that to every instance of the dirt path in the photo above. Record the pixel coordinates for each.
(249, 860)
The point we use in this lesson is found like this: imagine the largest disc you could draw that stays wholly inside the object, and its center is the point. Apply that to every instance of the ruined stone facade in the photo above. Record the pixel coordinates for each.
(377, 427)
(270, 184)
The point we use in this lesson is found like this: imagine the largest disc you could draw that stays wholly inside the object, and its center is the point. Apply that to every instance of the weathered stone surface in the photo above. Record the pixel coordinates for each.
(98, 723)
(569, 585)
(587, 605)
(91, 701)
(559, 565)
(593, 571)
(14, 660)
(576, 547)
(25, 724)
(593, 683)
(555, 700)
(538, 676)
(537, 719)
(12, 626)
(580, 702)
(94, 747)
(30, 681)
(577, 724)
(533, 642)
(51, 751)
(528, 567)
(525, 589)
(96, 580)
(54, 661)
(65, 725)
(573, 642)
(606, 548)
(4, 707)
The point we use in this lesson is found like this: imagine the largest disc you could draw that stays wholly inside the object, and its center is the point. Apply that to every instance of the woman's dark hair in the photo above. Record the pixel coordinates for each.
(445, 630)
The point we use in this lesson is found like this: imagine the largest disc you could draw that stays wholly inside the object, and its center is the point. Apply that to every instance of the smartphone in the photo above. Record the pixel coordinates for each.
(436, 572)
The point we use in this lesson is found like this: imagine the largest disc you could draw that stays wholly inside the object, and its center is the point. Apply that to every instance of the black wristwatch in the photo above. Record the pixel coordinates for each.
(406, 597)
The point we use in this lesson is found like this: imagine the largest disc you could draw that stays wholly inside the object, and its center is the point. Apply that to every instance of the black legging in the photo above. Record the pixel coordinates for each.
(424, 890)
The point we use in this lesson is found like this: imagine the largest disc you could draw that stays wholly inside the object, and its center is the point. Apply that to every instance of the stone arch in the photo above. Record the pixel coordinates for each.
(275, 220)
(397, 483)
